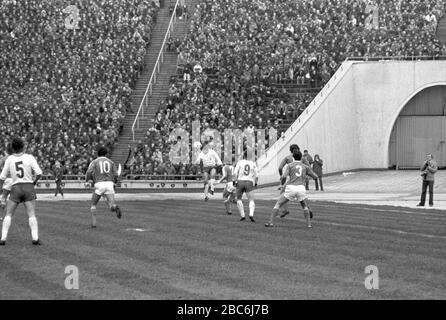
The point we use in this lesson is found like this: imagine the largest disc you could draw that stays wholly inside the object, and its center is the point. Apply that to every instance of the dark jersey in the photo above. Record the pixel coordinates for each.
(102, 169)
(297, 171)
(285, 161)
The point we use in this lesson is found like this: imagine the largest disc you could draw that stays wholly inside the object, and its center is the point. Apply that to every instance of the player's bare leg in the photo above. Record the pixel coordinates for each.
(94, 202)
(279, 204)
(252, 205)
(285, 211)
(228, 200)
(112, 205)
(212, 181)
(5, 194)
(206, 186)
(30, 207)
(11, 206)
(304, 205)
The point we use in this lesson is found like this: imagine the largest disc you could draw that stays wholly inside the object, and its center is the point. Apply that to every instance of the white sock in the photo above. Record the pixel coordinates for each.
(240, 208)
(5, 227)
(206, 189)
(34, 228)
(211, 183)
(252, 207)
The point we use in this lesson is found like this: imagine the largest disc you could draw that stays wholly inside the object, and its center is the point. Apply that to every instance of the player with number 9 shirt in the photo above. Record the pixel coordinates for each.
(103, 175)
(245, 181)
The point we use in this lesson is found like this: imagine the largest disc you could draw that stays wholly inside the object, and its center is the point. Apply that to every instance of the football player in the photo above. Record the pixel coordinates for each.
(25, 173)
(209, 161)
(229, 191)
(295, 174)
(285, 161)
(102, 174)
(246, 179)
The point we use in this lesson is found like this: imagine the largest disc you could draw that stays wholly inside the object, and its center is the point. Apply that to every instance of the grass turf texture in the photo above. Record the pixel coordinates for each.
(193, 250)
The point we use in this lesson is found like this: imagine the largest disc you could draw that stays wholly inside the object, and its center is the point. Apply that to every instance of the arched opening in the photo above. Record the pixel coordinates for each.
(420, 129)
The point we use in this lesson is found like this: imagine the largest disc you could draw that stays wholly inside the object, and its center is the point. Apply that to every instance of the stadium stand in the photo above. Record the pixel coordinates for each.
(67, 90)
(239, 58)
(243, 63)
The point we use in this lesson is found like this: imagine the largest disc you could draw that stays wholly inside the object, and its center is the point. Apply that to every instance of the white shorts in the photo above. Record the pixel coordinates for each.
(295, 193)
(104, 187)
(7, 184)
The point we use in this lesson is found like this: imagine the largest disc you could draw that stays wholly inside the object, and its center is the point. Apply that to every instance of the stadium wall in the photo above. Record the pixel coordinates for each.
(350, 121)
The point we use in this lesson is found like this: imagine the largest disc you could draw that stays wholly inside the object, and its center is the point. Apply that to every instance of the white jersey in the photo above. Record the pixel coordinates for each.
(21, 168)
(246, 170)
(210, 159)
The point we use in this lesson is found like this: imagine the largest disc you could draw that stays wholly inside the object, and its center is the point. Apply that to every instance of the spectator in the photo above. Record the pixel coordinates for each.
(428, 170)
(317, 168)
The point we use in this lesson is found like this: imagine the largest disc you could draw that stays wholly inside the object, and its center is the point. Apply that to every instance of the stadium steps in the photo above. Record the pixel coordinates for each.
(160, 88)
(441, 30)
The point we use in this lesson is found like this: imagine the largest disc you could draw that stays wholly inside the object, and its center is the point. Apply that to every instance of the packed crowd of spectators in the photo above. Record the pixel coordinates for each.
(240, 56)
(67, 69)
(68, 90)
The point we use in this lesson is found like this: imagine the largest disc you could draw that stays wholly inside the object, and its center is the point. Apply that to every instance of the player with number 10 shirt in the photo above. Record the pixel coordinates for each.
(102, 173)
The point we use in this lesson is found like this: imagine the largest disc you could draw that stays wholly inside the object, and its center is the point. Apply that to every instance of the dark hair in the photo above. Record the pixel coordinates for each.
(297, 155)
(306, 151)
(294, 147)
(102, 151)
(17, 145)
(9, 148)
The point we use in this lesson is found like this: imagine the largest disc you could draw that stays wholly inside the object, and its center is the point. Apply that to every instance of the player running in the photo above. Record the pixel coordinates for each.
(295, 173)
(288, 159)
(103, 175)
(209, 161)
(21, 167)
(7, 185)
(245, 181)
(229, 191)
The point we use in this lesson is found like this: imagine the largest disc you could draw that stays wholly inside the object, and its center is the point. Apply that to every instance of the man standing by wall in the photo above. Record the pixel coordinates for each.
(428, 170)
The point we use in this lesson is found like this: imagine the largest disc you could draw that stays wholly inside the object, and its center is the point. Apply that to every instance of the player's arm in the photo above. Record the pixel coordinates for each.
(256, 175)
(281, 165)
(217, 159)
(236, 172)
(89, 175)
(285, 174)
(115, 173)
(36, 169)
(311, 173)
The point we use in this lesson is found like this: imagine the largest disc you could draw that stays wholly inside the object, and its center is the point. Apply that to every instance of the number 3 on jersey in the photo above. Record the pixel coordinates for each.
(299, 171)
(104, 167)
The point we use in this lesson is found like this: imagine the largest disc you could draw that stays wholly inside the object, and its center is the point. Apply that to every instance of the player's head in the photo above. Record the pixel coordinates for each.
(102, 151)
(9, 149)
(294, 147)
(17, 145)
(297, 155)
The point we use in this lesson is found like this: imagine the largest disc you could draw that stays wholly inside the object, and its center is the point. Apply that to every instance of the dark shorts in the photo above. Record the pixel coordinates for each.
(244, 186)
(208, 169)
(22, 192)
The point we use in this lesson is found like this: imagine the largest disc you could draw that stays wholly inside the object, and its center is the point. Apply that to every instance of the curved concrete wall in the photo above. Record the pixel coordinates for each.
(350, 121)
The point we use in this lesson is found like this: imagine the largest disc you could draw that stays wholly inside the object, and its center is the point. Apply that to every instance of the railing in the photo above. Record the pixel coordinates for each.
(396, 58)
(151, 177)
(156, 70)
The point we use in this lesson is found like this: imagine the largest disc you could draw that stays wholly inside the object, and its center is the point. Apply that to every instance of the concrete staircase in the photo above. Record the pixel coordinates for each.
(161, 87)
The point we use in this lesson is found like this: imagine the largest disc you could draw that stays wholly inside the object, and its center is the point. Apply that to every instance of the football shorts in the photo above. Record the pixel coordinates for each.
(22, 192)
(7, 185)
(104, 187)
(295, 193)
(208, 169)
(244, 186)
(229, 190)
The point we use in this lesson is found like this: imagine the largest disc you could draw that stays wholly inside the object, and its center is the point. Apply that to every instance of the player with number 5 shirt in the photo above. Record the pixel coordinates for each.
(103, 174)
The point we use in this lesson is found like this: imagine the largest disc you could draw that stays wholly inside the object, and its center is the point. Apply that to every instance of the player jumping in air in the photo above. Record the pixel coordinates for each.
(295, 173)
(103, 175)
(209, 161)
(245, 181)
(229, 192)
(21, 167)
(288, 159)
